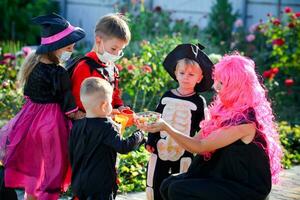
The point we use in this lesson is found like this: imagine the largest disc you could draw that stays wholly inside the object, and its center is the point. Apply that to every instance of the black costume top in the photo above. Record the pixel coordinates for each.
(241, 169)
(93, 147)
(50, 83)
(184, 114)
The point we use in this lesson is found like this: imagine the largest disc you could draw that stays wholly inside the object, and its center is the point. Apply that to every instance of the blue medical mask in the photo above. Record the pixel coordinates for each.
(66, 55)
(108, 57)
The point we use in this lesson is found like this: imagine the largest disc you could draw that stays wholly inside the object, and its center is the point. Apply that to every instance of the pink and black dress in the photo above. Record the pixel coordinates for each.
(34, 143)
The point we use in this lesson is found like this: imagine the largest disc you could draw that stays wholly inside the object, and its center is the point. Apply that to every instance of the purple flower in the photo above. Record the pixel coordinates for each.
(238, 23)
(250, 37)
(253, 28)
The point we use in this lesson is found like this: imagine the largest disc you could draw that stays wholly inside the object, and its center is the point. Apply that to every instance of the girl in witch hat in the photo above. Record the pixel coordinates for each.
(33, 145)
(182, 107)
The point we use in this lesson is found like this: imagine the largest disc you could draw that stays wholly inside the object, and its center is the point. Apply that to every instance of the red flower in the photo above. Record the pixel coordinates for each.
(297, 14)
(275, 70)
(267, 74)
(289, 82)
(157, 9)
(119, 67)
(147, 69)
(291, 25)
(131, 67)
(287, 10)
(276, 22)
(9, 56)
(278, 42)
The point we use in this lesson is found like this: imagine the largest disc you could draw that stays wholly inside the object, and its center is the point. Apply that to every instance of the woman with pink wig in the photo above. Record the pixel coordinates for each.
(238, 150)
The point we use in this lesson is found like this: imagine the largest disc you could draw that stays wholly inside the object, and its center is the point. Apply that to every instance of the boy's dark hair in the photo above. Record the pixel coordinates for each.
(113, 26)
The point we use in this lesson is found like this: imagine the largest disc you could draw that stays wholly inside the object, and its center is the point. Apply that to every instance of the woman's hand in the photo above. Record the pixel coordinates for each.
(158, 126)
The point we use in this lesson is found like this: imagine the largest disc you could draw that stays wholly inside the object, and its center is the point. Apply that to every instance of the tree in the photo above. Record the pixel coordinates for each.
(220, 25)
(16, 18)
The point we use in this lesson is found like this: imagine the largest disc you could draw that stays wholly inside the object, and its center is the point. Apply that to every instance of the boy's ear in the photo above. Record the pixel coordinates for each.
(98, 39)
(200, 78)
(103, 105)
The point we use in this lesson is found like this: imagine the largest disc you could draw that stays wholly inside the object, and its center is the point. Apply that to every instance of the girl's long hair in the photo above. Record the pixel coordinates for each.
(240, 91)
(29, 64)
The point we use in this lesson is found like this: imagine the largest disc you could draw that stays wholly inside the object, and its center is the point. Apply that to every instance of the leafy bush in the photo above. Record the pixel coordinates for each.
(290, 140)
(10, 97)
(16, 16)
(132, 171)
(283, 75)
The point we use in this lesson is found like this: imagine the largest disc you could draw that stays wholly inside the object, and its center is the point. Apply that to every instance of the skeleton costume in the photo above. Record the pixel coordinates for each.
(183, 113)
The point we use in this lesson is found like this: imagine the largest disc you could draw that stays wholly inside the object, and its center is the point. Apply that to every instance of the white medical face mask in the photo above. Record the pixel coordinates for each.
(108, 57)
(66, 55)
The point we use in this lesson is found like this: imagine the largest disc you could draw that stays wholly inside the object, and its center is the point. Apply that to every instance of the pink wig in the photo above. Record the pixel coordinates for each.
(241, 90)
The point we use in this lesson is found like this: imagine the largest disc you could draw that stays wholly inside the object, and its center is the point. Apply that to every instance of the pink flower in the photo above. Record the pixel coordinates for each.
(253, 28)
(9, 56)
(289, 82)
(287, 9)
(276, 22)
(278, 42)
(250, 37)
(119, 67)
(147, 69)
(5, 84)
(26, 50)
(131, 68)
(297, 14)
(238, 23)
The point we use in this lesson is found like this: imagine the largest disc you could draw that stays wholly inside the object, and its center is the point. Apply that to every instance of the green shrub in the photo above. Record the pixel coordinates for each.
(11, 99)
(16, 16)
(283, 75)
(220, 25)
(290, 140)
(132, 171)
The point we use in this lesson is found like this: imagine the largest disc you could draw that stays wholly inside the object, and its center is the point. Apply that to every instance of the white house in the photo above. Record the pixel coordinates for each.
(86, 13)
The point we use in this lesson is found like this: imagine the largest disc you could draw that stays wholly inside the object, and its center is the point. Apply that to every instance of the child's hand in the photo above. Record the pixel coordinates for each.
(115, 111)
(76, 115)
(149, 148)
(123, 108)
(79, 115)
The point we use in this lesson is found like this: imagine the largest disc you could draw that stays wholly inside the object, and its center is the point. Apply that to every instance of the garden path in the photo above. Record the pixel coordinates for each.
(287, 189)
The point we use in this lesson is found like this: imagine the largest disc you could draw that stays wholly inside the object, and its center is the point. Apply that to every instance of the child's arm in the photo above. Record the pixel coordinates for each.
(81, 72)
(153, 138)
(62, 85)
(124, 146)
(117, 101)
(215, 140)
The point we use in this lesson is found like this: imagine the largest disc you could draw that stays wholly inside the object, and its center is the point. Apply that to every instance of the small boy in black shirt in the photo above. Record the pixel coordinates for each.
(94, 143)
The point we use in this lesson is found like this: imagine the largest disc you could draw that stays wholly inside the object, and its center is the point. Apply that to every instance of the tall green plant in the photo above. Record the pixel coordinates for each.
(283, 76)
(220, 25)
(16, 16)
